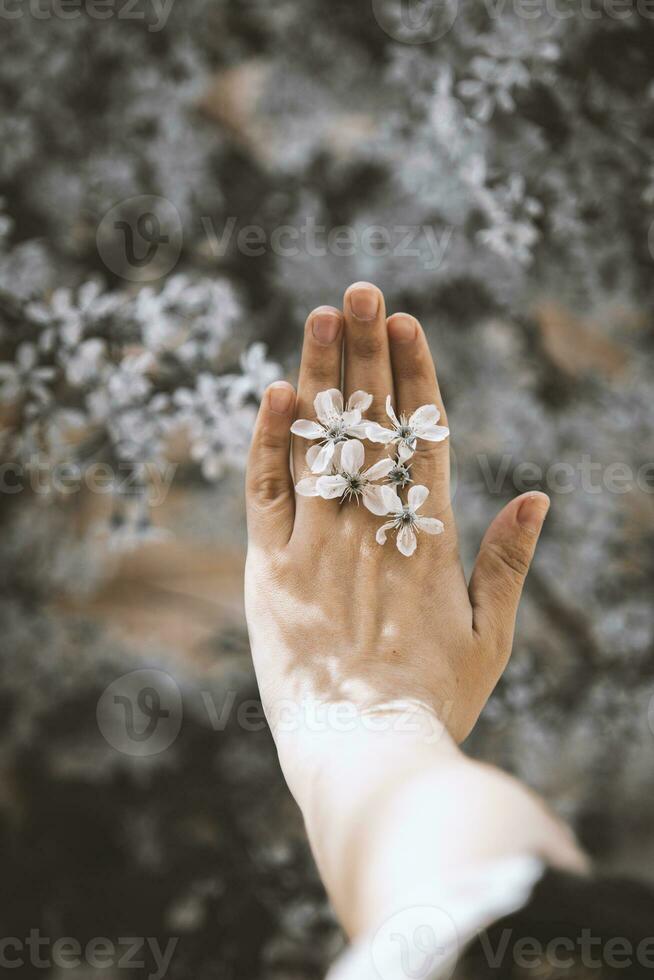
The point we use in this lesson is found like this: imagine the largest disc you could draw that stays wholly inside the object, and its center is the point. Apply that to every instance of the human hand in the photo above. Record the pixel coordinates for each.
(333, 616)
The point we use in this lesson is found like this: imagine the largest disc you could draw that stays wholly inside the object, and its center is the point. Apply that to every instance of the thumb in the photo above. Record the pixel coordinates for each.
(269, 487)
(501, 568)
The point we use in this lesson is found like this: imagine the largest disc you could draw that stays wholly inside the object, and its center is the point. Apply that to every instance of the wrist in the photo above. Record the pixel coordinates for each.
(345, 781)
(332, 752)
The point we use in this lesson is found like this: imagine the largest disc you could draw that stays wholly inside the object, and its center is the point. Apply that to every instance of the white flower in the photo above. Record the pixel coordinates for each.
(258, 373)
(405, 519)
(335, 425)
(24, 377)
(83, 365)
(349, 481)
(64, 320)
(406, 432)
(400, 474)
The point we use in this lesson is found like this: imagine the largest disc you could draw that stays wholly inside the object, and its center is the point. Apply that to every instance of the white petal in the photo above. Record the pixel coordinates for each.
(377, 433)
(379, 470)
(406, 541)
(391, 499)
(351, 418)
(380, 537)
(358, 431)
(417, 496)
(391, 414)
(307, 487)
(434, 433)
(312, 452)
(404, 452)
(430, 525)
(307, 429)
(331, 486)
(373, 499)
(323, 458)
(425, 415)
(359, 399)
(328, 403)
(352, 456)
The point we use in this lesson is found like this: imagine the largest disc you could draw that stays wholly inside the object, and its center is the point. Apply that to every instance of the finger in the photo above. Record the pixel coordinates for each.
(320, 369)
(367, 364)
(416, 384)
(269, 487)
(501, 569)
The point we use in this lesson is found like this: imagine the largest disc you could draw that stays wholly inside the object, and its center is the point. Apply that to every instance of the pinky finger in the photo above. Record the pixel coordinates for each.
(269, 487)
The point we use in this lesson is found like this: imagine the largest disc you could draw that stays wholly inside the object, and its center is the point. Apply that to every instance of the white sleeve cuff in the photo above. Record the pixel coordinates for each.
(423, 941)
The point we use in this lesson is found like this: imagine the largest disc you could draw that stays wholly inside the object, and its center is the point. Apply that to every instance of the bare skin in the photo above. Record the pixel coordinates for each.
(404, 647)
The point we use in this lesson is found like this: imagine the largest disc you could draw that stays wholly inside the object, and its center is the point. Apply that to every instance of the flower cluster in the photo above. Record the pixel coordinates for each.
(131, 381)
(336, 461)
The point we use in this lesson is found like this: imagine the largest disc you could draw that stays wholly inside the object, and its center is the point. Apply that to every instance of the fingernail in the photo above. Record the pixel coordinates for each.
(364, 301)
(533, 511)
(324, 326)
(402, 328)
(280, 396)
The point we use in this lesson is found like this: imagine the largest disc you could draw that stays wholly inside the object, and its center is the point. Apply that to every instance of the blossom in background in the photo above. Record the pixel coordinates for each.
(335, 424)
(258, 373)
(63, 320)
(191, 320)
(405, 519)
(219, 432)
(129, 370)
(405, 432)
(24, 377)
(350, 481)
(492, 85)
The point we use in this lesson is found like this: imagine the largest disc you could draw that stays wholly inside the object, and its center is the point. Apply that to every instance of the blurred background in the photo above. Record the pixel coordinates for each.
(181, 182)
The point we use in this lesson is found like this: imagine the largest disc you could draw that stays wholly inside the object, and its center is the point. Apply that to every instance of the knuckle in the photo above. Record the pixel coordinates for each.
(368, 345)
(266, 485)
(320, 373)
(272, 440)
(377, 413)
(431, 454)
(267, 489)
(512, 557)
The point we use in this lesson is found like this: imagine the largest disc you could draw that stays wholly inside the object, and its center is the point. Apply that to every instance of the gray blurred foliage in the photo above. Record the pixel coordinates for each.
(519, 156)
